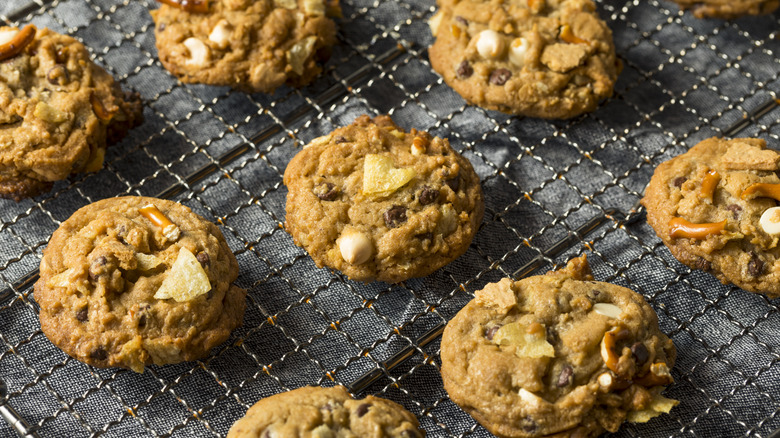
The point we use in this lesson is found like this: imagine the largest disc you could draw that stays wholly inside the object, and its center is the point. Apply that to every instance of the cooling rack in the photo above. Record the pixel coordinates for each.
(553, 190)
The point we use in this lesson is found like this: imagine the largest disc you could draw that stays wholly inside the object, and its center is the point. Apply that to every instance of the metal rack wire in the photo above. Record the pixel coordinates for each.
(553, 190)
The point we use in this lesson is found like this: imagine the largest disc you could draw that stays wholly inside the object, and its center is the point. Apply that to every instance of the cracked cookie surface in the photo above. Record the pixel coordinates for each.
(104, 271)
(58, 110)
(557, 355)
(253, 45)
(728, 9)
(553, 59)
(325, 412)
(379, 203)
(715, 208)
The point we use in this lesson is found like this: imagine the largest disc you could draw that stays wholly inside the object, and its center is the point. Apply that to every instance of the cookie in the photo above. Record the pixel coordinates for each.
(553, 59)
(325, 412)
(715, 208)
(134, 281)
(379, 203)
(58, 111)
(253, 45)
(728, 9)
(557, 355)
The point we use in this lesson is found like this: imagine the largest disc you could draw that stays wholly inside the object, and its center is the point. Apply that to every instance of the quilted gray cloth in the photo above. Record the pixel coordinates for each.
(556, 188)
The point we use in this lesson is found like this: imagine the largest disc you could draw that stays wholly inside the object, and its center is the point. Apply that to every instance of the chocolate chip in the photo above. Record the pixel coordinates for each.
(566, 376)
(528, 425)
(362, 409)
(61, 55)
(203, 259)
(142, 321)
(428, 195)
(395, 216)
(95, 268)
(755, 266)
(57, 75)
(679, 181)
(703, 264)
(500, 76)
(464, 70)
(161, 27)
(734, 209)
(453, 183)
(640, 353)
(82, 315)
(461, 20)
(340, 139)
(99, 354)
(489, 333)
(593, 294)
(326, 191)
(424, 236)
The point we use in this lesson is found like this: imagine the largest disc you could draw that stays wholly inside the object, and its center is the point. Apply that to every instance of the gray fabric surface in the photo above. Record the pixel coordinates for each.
(684, 80)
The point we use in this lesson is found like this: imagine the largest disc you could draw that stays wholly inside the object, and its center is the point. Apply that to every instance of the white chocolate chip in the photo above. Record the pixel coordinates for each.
(7, 35)
(355, 247)
(490, 44)
(517, 51)
(530, 398)
(418, 148)
(607, 309)
(172, 232)
(435, 23)
(770, 221)
(605, 380)
(199, 52)
(220, 35)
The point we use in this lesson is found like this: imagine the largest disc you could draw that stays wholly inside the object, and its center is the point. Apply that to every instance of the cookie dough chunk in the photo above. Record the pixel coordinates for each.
(728, 9)
(553, 59)
(379, 203)
(58, 110)
(253, 45)
(133, 281)
(325, 412)
(557, 354)
(716, 209)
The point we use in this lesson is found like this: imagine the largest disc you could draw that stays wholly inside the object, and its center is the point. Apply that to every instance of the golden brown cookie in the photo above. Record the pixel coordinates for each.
(379, 203)
(715, 208)
(133, 281)
(325, 412)
(557, 355)
(254, 45)
(58, 110)
(728, 9)
(553, 59)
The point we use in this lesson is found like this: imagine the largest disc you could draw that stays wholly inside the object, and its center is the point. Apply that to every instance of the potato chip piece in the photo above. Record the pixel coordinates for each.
(380, 177)
(300, 52)
(659, 405)
(528, 345)
(186, 279)
(147, 262)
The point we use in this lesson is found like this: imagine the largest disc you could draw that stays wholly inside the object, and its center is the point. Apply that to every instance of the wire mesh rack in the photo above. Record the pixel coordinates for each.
(554, 189)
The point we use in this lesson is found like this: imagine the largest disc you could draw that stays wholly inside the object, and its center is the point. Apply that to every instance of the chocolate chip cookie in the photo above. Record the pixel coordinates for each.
(728, 9)
(379, 203)
(715, 208)
(58, 110)
(325, 412)
(557, 355)
(553, 59)
(253, 45)
(133, 281)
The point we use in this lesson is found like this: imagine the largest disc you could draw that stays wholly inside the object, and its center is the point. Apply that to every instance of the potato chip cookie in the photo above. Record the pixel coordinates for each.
(325, 412)
(553, 59)
(128, 282)
(557, 355)
(715, 208)
(379, 203)
(58, 111)
(253, 45)
(728, 9)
